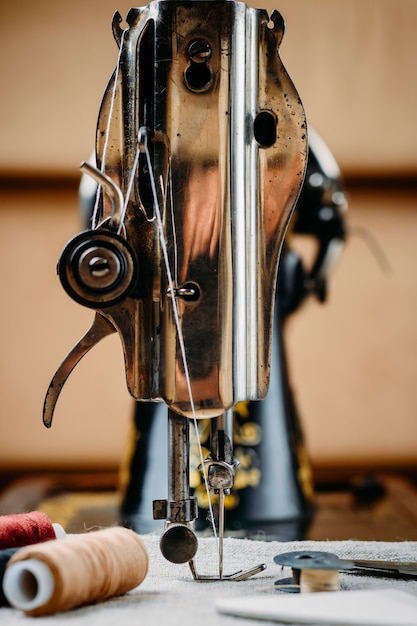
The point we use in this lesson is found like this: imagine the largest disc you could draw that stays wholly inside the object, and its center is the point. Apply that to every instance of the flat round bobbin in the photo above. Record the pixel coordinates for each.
(312, 560)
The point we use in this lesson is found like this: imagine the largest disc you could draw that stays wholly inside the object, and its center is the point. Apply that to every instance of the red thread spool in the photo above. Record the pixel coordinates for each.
(24, 529)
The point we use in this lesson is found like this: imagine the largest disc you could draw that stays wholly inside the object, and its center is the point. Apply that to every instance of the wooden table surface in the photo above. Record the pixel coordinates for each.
(380, 508)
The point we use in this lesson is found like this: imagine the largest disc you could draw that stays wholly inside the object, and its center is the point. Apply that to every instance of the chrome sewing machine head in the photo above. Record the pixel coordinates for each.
(200, 153)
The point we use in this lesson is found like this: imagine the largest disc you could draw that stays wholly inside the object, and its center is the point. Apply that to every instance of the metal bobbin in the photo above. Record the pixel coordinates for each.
(311, 571)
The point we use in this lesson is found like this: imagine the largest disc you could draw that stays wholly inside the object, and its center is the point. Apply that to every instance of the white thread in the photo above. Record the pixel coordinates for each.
(174, 230)
(106, 141)
(179, 331)
(129, 189)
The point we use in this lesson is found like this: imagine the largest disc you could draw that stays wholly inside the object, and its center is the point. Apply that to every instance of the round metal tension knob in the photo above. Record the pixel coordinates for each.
(97, 268)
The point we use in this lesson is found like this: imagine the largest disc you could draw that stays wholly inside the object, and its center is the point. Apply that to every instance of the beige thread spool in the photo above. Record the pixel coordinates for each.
(82, 569)
(315, 580)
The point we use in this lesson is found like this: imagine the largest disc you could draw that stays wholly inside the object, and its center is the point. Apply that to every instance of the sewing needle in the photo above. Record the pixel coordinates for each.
(221, 531)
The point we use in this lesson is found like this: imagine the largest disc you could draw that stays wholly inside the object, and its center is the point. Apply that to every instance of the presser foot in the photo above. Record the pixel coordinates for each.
(236, 576)
(221, 468)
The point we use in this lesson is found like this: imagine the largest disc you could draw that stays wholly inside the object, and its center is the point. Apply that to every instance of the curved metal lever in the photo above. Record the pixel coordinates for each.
(112, 190)
(99, 329)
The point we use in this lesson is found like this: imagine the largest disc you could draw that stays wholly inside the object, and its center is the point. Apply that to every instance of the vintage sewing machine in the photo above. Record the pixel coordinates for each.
(200, 157)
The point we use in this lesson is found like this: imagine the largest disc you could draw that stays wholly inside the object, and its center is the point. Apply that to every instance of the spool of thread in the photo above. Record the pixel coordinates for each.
(5, 556)
(314, 580)
(25, 529)
(60, 575)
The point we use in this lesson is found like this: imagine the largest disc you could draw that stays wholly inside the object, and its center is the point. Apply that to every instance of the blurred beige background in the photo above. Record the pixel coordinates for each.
(353, 62)
(353, 361)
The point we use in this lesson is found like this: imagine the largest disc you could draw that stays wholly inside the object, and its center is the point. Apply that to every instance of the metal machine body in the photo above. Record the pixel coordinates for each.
(201, 153)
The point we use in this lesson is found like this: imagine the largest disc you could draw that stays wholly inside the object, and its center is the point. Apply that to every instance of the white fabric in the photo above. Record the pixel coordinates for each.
(170, 597)
(368, 607)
